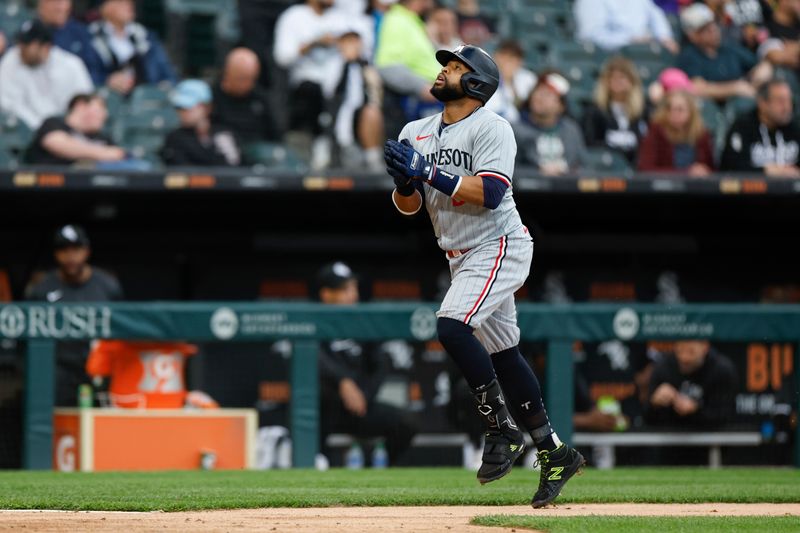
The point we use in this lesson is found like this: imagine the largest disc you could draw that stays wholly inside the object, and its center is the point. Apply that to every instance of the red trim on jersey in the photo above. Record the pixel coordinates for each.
(492, 275)
(497, 176)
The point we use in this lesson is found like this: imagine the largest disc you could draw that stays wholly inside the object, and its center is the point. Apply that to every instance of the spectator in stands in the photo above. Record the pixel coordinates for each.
(442, 25)
(37, 80)
(359, 119)
(783, 46)
(376, 10)
(257, 22)
(616, 119)
(473, 27)
(612, 24)
(305, 43)
(405, 53)
(129, 53)
(68, 33)
(74, 280)
(240, 104)
(718, 71)
(365, 21)
(516, 81)
(765, 140)
(196, 142)
(76, 137)
(695, 386)
(741, 22)
(783, 20)
(670, 79)
(546, 137)
(677, 140)
(351, 374)
(3, 40)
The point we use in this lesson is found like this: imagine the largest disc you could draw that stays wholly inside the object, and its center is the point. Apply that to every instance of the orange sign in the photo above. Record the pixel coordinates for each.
(66, 442)
(153, 439)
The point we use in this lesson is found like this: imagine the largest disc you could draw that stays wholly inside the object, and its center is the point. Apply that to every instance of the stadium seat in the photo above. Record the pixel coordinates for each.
(737, 106)
(535, 61)
(15, 134)
(582, 75)
(536, 45)
(525, 8)
(605, 160)
(578, 100)
(148, 98)
(12, 15)
(143, 133)
(648, 52)
(160, 120)
(145, 147)
(7, 159)
(569, 51)
(227, 26)
(675, 24)
(650, 69)
(549, 18)
(715, 122)
(202, 7)
(270, 155)
(115, 102)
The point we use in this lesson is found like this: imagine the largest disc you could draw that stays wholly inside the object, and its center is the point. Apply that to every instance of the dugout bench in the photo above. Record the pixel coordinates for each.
(713, 440)
(306, 324)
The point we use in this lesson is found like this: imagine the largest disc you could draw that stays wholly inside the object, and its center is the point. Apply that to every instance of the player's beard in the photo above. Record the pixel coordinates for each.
(447, 93)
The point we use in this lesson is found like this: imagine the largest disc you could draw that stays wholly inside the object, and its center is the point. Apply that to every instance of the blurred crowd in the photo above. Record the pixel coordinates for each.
(619, 85)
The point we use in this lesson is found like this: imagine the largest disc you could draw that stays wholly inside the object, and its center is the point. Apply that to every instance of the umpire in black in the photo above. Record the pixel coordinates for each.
(351, 374)
(73, 280)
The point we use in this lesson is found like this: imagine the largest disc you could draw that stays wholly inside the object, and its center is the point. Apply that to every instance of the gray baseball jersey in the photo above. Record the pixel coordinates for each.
(482, 144)
(491, 251)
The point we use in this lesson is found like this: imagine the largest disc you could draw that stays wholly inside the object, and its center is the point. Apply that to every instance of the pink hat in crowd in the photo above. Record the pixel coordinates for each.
(674, 79)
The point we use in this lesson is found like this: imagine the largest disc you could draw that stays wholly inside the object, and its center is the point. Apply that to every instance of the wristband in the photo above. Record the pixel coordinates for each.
(405, 190)
(442, 180)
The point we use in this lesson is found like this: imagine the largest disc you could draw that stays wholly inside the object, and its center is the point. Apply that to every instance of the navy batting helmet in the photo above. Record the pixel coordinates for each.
(482, 82)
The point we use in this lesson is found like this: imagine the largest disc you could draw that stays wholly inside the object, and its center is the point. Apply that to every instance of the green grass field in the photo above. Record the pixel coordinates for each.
(177, 491)
(659, 524)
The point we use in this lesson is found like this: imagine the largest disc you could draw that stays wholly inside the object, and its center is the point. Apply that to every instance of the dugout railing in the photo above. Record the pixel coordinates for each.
(42, 325)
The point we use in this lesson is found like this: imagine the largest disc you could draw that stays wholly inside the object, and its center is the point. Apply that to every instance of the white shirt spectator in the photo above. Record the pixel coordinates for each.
(612, 24)
(300, 25)
(352, 8)
(34, 94)
(121, 45)
(505, 100)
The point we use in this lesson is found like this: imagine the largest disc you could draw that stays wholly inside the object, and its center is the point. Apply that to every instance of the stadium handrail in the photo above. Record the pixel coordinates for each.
(260, 178)
(305, 324)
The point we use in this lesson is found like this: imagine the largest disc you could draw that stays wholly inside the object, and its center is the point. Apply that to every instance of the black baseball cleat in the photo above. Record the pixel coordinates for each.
(500, 451)
(557, 467)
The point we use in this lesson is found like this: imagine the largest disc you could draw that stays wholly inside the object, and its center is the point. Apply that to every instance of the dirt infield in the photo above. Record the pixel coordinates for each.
(353, 519)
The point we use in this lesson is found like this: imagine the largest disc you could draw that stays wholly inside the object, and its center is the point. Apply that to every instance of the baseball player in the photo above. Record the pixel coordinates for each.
(459, 164)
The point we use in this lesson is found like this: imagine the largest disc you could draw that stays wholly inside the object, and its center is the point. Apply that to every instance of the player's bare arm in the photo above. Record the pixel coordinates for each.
(407, 205)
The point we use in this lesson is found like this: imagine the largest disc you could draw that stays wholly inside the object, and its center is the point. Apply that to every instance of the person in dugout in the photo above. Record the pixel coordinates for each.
(146, 374)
